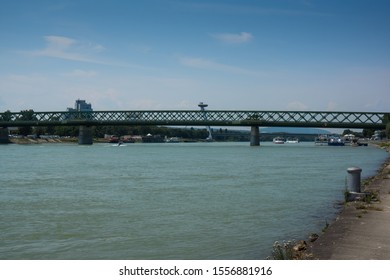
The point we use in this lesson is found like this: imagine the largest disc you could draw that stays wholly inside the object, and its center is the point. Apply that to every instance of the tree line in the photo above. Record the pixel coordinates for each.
(102, 131)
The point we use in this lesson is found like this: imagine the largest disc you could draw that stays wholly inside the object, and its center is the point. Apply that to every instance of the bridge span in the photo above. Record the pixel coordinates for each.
(253, 119)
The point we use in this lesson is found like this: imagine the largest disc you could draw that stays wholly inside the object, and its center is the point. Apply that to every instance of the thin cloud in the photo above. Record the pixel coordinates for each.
(297, 106)
(233, 38)
(58, 42)
(332, 106)
(80, 74)
(202, 63)
(68, 49)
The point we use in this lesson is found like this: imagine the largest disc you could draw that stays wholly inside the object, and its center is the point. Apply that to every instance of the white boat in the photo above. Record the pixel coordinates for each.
(350, 140)
(278, 140)
(292, 140)
(173, 140)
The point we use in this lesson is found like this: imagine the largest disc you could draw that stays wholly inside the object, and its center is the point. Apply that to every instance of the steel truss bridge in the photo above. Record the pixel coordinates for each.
(373, 120)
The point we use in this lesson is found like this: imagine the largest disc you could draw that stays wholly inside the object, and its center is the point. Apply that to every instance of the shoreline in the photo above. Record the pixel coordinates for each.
(71, 140)
(362, 228)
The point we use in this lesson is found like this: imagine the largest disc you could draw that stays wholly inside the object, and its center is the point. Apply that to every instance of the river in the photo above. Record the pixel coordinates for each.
(169, 201)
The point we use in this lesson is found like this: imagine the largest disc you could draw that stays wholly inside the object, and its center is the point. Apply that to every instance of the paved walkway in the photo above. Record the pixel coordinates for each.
(361, 231)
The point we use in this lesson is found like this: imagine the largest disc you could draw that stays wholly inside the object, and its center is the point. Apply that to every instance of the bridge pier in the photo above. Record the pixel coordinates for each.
(255, 136)
(85, 135)
(4, 138)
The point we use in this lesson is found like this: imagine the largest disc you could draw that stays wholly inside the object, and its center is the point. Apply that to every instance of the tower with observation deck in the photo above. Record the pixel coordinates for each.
(202, 107)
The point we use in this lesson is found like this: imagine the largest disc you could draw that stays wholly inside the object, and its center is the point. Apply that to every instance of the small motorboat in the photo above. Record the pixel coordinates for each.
(278, 140)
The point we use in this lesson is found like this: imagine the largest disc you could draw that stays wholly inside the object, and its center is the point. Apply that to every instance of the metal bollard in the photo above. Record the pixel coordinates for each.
(354, 178)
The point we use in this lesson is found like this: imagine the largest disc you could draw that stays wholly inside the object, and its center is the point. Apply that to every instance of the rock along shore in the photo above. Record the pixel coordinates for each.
(362, 230)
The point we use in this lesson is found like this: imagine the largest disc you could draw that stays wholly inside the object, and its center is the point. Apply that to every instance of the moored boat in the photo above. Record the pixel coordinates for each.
(350, 139)
(172, 140)
(335, 141)
(278, 140)
(292, 140)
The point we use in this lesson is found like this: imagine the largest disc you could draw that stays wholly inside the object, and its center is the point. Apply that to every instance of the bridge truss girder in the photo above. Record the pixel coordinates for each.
(372, 120)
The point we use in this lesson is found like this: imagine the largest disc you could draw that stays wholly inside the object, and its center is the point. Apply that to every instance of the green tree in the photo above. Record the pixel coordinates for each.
(72, 131)
(367, 133)
(386, 118)
(39, 130)
(26, 115)
(348, 131)
(6, 116)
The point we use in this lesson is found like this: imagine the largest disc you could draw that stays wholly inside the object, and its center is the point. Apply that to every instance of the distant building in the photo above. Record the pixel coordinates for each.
(81, 105)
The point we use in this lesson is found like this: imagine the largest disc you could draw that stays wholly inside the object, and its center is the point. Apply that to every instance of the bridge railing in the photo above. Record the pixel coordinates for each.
(375, 120)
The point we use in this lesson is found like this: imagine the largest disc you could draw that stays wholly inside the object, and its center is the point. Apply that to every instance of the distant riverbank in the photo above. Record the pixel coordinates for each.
(74, 140)
(26, 140)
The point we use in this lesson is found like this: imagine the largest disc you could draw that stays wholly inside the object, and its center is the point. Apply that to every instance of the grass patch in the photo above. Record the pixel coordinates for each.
(283, 251)
(290, 250)
(367, 207)
(326, 226)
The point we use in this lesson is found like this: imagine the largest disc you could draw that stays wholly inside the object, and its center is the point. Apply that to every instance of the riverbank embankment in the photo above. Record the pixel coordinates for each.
(362, 230)
(71, 140)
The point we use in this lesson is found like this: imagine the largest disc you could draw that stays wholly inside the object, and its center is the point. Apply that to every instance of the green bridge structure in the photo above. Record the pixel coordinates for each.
(254, 119)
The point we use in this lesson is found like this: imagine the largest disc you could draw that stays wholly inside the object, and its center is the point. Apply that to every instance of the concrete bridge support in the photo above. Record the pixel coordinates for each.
(85, 135)
(4, 139)
(255, 136)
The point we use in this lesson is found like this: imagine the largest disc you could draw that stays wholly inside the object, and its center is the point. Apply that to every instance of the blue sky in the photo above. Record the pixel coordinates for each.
(171, 54)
